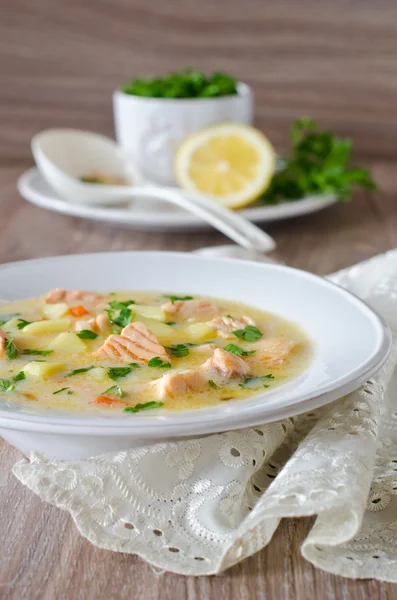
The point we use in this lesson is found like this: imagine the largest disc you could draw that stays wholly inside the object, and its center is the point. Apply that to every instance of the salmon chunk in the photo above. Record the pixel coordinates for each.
(99, 324)
(3, 339)
(198, 310)
(225, 366)
(60, 295)
(225, 326)
(135, 343)
(273, 350)
(179, 384)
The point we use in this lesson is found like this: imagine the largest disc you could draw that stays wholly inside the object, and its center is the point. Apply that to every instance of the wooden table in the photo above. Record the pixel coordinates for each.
(333, 60)
(42, 557)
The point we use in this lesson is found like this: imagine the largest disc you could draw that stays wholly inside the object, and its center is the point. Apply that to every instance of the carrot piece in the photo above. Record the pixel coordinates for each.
(106, 400)
(78, 311)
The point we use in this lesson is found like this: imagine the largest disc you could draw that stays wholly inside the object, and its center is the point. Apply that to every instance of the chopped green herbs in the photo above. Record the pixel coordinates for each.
(238, 351)
(6, 385)
(91, 179)
(177, 298)
(212, 384)
(87, 334)
(170, 323)
(178, 350)
(32, 352)
(11, 349)
(157, 362)
(256, 382)
(61, 390)
(19, 376)
(120, 372)
(118, 305)
(318, 164)
(78, 371)
(146, 406)
(115, 390)
(22, 323)
(124, 318)
(250, 333)
(188, 83)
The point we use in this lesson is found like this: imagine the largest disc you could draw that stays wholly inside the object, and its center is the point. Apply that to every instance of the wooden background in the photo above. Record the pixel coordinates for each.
(335, 60)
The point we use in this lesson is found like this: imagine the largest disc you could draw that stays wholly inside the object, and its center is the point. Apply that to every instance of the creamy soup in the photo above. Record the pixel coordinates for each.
(135, 351)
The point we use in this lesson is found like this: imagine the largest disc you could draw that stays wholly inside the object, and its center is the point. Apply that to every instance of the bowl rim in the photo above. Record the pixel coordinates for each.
(243, 91)
(159, 426)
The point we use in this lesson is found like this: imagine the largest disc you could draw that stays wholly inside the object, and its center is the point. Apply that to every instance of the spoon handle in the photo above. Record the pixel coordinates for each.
(230, 223)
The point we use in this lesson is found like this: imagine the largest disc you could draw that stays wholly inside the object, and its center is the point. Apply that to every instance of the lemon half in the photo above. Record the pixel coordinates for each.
(229, 162)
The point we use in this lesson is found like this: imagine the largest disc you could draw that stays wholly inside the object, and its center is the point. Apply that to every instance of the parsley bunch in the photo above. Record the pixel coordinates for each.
(188, 83)
(318, 164)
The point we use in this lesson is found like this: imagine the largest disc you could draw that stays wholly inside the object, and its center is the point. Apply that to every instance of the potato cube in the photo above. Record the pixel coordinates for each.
(56, 311)
(161, 330)
(47, 327)
(98, 374)
(149, 312)
(199, 332)
(68, 343)
(11, 325)
(41, 370)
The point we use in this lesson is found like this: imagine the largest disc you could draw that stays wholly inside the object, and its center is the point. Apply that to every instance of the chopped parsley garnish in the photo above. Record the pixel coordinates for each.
(78, 371)
(212, 384)
(177, 298)
(157, 362)
(115, 390)
(238, 351)
(318, 163)
(146, 406)
(117, 304)
(91, 179)
(170, 323)
(19, 376)
(6, 385)
(187, 83)
(125, 317)
(87, 334)
(11, 349)
(256, 382)
(250, 333)
(32, 352)
(61, 390)
(22, 323)
(120, 372)
(178, 350)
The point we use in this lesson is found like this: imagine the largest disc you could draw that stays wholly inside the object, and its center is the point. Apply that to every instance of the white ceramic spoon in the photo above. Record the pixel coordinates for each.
(64, 155)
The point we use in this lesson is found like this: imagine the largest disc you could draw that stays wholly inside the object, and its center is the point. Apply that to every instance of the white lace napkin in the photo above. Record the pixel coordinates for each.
(197, 507)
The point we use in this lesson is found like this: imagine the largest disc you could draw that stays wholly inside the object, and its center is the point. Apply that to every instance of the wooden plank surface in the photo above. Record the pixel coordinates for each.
(334, 59)
(59, 62)
(42, 557)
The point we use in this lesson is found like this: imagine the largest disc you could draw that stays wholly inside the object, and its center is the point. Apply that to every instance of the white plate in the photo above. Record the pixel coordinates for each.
(351, 342)
(152, 215)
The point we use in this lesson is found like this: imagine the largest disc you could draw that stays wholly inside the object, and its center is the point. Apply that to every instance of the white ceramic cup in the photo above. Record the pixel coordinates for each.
(149, 130)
